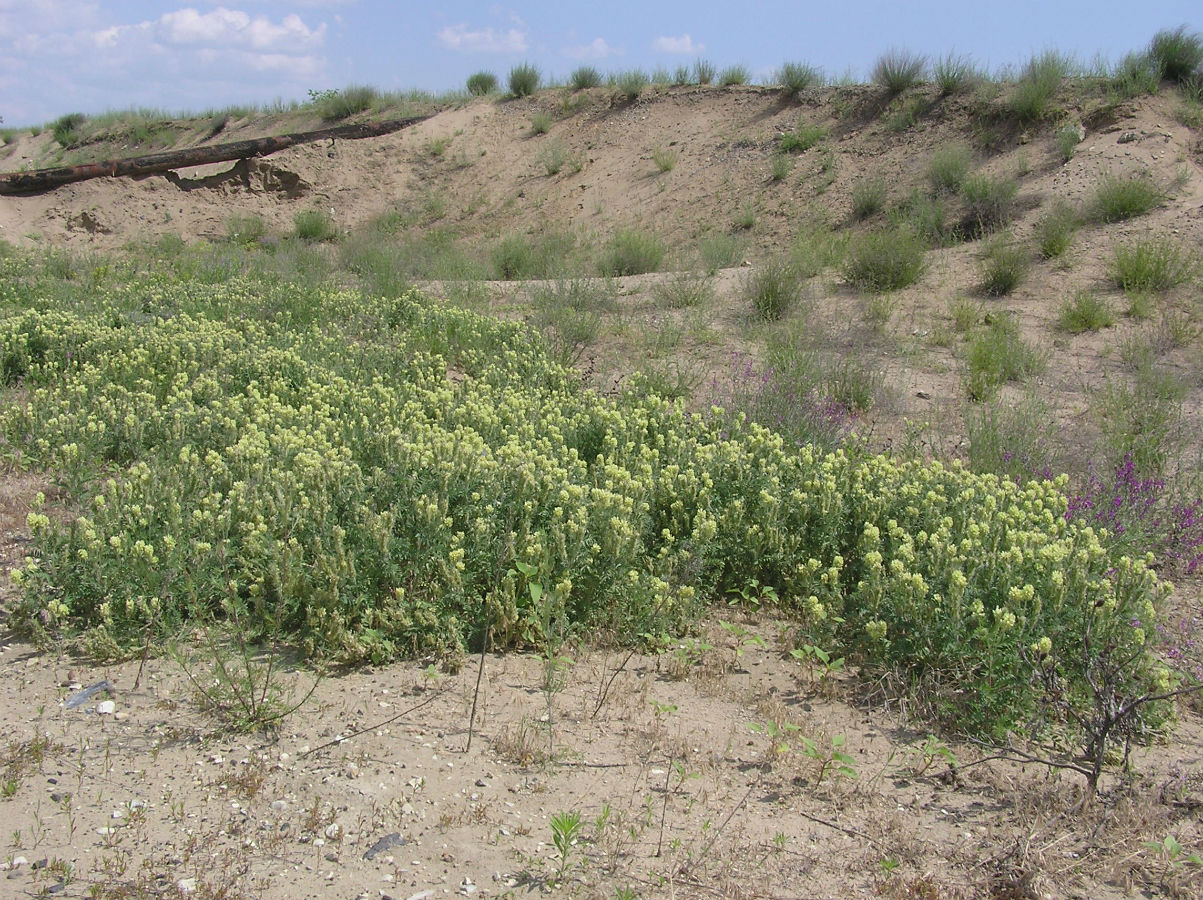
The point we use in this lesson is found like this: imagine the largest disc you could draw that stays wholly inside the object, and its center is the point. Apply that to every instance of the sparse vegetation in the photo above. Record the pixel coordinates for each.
(540, 122)
(1031, 98)
(630, 83)
(334, 106)
(665, 158)
(66, 129)
(998, 354)
(704, 71)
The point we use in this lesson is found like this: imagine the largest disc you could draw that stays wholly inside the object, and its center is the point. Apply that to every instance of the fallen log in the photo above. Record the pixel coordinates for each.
(48, 179)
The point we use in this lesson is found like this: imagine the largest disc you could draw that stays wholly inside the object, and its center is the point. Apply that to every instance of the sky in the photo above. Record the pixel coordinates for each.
(62, 56)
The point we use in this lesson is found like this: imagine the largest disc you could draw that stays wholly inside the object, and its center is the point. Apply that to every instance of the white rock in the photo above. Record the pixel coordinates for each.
(334, 831)
(186, 885)
(19, 861)
(106, 707)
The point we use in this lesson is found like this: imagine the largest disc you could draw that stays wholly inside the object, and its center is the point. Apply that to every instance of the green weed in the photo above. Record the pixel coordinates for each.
(794, 78)
(996, 355)
(1055, 230)
(315, 226)
(1119, 198)
(631, 252)
(523, 80)
(1085, 311)
(868, 198)
(481, 84)
(948, 168)
(773, 288)
(884, 260)
(1005, 262)
(584, 77)
(898, 70)
(1151, 264)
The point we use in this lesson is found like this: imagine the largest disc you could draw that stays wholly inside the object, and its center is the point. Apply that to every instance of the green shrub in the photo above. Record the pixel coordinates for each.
(630, 84)
(1150, 264)
(1055, 230)
(1141, 420)
(1119, 198)
(631, 252)
(884, 260)
(802, 138)
(704, 71)
(954, 75)
(780, 165)
(773, 288)
(732, 75)
(997, 354)
(335, 105)
(315, 225)
(990, 202)
(948, 166)
(794, 78)
(514, 258)
(66, 129)
(898, 70)
(908, 113)
(481, 84)
(1005, 262)
(1085, 311)
(540, 122)
(523, 80)
(1178, 54)
(868, 198)
(584, 77)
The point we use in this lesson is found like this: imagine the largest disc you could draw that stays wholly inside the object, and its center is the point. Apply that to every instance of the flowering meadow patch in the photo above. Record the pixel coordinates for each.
(383, 476)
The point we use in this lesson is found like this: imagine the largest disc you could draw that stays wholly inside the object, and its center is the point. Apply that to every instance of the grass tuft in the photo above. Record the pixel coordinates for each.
(584, 77)
(1085, 311)
(481, 84)
(898, 70)
(948, 167)
(1150, 264)
(315, 226)
(773, 289)
(794, 78)
(997, 354)
(1004, 265)
(704, 71)
(884, 260)
(1178, 53)
(802, 138)
(335, 105)
(733, 75)
(630, 84)
(868, 198)
(954, 75)
(523, 80)
(1055, 230)
(631, 252)
(1031, 98)
(990, 202)
(1119, 198)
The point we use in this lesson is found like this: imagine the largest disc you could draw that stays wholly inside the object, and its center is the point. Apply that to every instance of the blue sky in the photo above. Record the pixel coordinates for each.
(60, 56)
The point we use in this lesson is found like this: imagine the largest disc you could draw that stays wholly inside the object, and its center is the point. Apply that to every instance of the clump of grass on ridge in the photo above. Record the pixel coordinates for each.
(898, 70)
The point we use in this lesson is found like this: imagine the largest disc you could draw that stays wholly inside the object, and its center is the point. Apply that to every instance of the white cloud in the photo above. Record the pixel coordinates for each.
(682, 44)
(487, 40)
(596, 49)
(234, 28)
